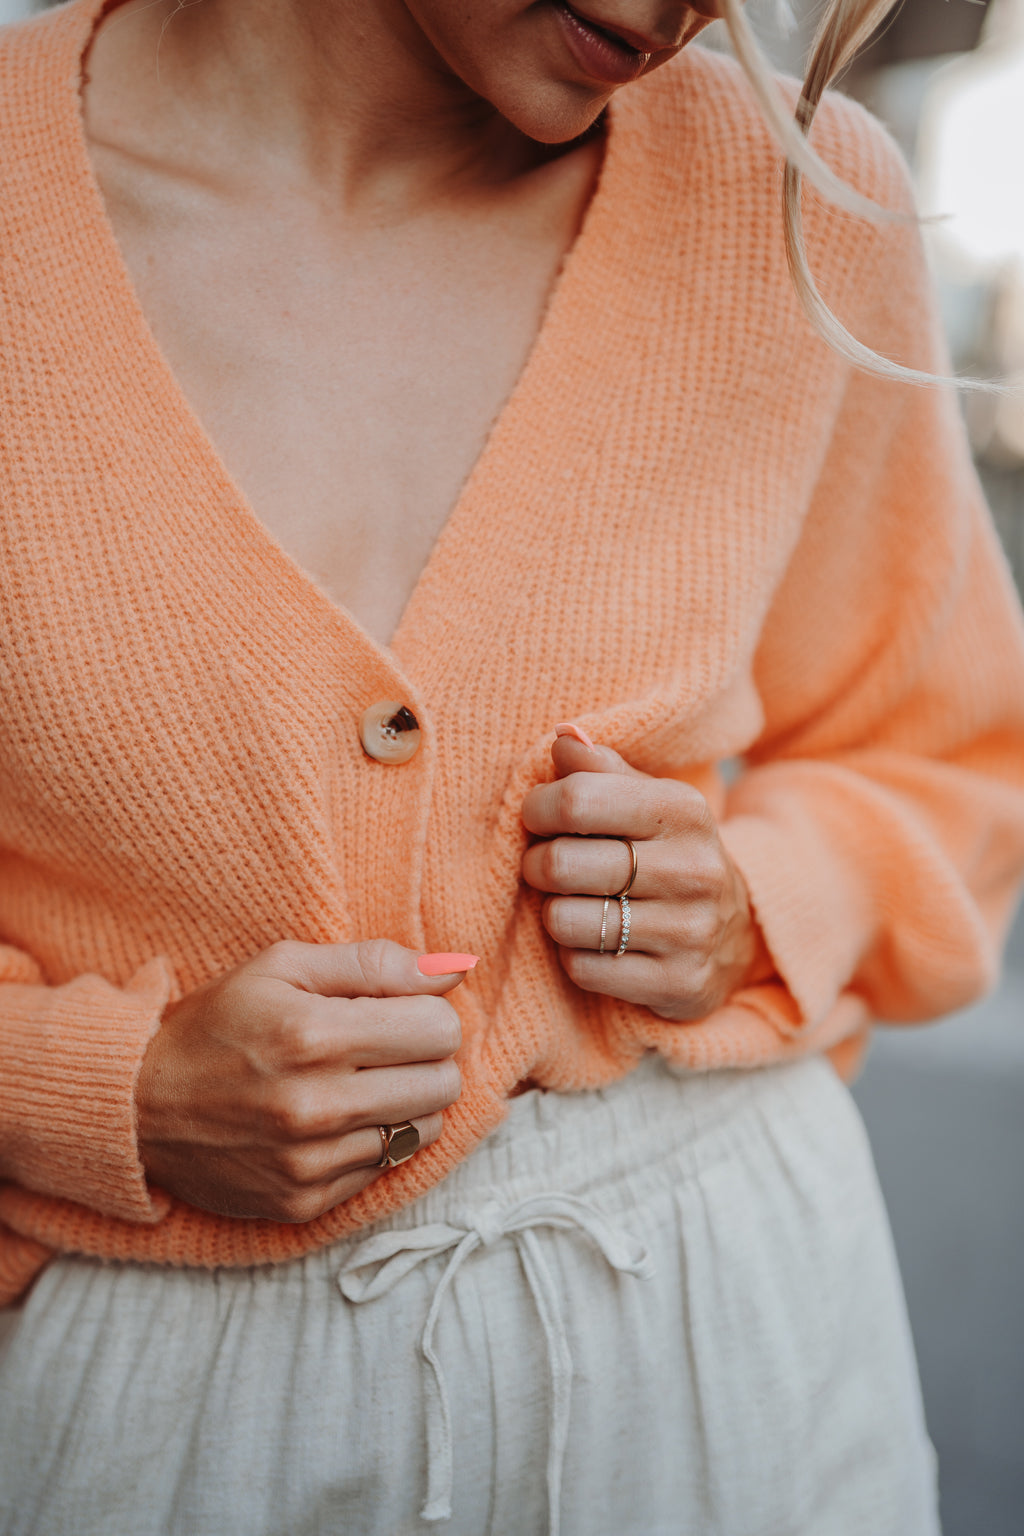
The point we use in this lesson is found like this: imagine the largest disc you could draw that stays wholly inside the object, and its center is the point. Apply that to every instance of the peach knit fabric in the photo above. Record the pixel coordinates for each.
(693, 529)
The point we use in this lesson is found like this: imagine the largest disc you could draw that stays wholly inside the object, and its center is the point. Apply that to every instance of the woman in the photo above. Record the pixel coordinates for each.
(389, 387)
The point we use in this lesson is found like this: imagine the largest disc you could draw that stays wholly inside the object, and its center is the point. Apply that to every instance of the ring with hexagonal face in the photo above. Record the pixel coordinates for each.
(397, 1143)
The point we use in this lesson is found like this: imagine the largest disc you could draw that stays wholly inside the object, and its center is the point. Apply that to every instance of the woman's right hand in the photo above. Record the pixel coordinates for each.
(261, 1092)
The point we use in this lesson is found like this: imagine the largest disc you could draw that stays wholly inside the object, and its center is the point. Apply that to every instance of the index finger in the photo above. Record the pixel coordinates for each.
(381, 1032)
(612, 805)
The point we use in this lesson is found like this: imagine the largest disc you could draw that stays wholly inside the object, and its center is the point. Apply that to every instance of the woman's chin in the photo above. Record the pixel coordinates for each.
(550, 120)
(542, 104)
(527, 73)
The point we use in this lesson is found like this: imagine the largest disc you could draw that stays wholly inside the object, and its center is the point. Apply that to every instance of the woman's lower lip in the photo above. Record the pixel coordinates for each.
(596, 54)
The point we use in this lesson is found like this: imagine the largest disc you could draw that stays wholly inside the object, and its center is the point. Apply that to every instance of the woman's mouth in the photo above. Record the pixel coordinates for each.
(599, 51)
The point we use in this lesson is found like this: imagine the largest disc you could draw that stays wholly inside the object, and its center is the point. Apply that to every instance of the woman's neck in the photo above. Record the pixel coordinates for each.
(347, 96)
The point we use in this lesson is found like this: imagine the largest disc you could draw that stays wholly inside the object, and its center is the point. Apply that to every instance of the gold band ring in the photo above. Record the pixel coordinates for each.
(634, 862)
(397, 1144)
(604, 924)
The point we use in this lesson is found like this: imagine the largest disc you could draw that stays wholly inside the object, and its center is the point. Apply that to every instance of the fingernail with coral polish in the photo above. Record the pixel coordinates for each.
(566, 728)
(446, 964)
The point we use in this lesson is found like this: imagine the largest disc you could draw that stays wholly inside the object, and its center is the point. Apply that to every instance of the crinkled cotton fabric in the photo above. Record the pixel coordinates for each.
(667, 1307)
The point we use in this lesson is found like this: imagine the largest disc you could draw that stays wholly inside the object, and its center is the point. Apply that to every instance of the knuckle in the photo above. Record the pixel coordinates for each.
(704, 993)
(676, 994)
(532, 807)
(430, 1128)
(712, 876)
(673, 1010)
(575, 803)
(676, 1000)
(669, 802)
(283, 956)
(300, 1206)
(684, 810)
(438, 1026)
(561, 861)
(692, 803)
(300, 1166)
(289, 1040)
(704, 933)
(290, 1112)
(448, 1026)
(705, 816)
(577, 967)
(450, 1081)
(374, 959)
(697, 875)
(565, 922)
(547, 862)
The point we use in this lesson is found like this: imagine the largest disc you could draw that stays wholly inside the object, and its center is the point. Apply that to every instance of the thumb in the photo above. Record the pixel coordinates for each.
(574, 752)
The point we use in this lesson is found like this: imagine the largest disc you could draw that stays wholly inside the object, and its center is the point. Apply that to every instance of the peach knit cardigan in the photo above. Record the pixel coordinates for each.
(693, 529)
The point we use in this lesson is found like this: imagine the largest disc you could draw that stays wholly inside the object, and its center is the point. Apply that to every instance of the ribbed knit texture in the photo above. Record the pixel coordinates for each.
(693, 530)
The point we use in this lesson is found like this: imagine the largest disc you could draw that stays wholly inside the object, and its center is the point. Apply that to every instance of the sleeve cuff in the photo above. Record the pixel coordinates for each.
(72, 1055)
(813, 918)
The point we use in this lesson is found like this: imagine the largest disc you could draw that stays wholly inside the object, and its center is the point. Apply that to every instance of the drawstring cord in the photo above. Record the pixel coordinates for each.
(380, 1262)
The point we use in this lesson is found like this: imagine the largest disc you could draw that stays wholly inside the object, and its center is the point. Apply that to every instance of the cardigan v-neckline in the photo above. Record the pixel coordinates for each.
(180, 415)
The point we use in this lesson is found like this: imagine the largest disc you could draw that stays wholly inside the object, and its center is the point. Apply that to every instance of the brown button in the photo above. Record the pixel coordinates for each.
(389, 732)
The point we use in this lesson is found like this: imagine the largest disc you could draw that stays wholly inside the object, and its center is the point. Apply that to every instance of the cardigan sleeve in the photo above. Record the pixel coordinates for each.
(879, 819)
(880, 822)
(70, 1058)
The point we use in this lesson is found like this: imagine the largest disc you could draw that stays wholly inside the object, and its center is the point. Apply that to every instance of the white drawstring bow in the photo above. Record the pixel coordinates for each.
(380, 1262)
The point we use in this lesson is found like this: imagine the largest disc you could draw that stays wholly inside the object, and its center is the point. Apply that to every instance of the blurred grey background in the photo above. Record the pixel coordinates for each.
(944, 1103)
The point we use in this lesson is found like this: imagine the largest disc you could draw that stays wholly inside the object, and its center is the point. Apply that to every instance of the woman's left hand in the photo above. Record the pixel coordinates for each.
(693, 940)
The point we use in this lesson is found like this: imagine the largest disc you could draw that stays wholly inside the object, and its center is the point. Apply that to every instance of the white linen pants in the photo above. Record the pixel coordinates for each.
(668, 1308)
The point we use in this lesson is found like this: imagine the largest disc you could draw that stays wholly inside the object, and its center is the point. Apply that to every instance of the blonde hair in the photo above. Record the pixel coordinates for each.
(845, 27)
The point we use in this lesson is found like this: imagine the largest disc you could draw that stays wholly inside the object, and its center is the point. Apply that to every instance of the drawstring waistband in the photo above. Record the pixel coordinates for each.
(380, 1262)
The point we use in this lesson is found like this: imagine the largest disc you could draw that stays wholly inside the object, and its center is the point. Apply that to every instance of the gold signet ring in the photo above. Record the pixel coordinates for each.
(397, 1144)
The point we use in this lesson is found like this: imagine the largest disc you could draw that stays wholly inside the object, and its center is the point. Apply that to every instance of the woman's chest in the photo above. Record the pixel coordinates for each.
(348, 381)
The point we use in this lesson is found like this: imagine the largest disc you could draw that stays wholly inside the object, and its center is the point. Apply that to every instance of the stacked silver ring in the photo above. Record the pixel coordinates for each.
(622, 897)
(604, 925)
(623, 902)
